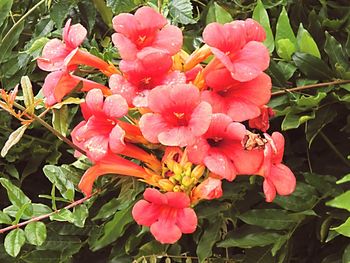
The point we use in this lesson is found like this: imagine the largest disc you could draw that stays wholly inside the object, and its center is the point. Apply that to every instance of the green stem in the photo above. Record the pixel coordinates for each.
(51, 129)
(10, 32)
(336, 151)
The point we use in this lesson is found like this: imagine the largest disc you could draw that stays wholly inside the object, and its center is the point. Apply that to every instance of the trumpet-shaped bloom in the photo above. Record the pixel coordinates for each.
(168, 215)
(240, 100)
(109, 164)
(278, 177)
(179, 116)
(244, 59)
(220, 149)
(100, 132)
(146, 28)
(60, 83)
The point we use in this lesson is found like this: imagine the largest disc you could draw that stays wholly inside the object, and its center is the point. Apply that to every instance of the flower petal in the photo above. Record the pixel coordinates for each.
(119, 85)
(154, 196)
(169, 38)
(283, 179)
(186, 220)
(76, 36)
(278, 139)
(177, 199)
(269, 190)
(198, 150)
(115, 106)
(166, 233)
(145, 213)
(149, 18)
(219, 164)
(200, 119)
(176, 136)
(94, 100)
(151, 126)
(127, 49)
(53, 55)
(116, 139)
(97, 147)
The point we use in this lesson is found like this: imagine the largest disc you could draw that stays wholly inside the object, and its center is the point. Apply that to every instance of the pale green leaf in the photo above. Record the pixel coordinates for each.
(35, 233)
(14, 242)
(285, 49)
(306, 43)
(344, 228)
(5, 8)
(218, 14)
(342, 201)
(284, 29)
(13, 139)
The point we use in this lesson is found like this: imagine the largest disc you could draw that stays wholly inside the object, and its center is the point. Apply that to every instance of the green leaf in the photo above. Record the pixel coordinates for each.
(57, 176)
(181, 11)
(28, 95)
(35, 233)
(60, 10)
(8, 43)
(114, 229)
(284, 29)
(123, 6)
(5, 8)
(37, 46)
(342, 201)
(218, 14)
(270, 218)
(287, 69)
(345, 179)
(13, 139)
(257, 239)
(42, 256)
(16, 196)
(323, 117)
(293, 120)
(210, 236)
(285, 49)
(307, 101)
(14, 242)
(335, 53)
(260, 15)
(60, 119)
(5, 219)
(312, 67)
(324, 184)
(344, 228)
(105, 12)
(306, 43)
(346, 254)
(80, 213)
(64, 215)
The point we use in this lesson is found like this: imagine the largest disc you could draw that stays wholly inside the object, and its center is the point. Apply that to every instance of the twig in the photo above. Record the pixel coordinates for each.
(318, 85)
(39, 218)
(50, 128)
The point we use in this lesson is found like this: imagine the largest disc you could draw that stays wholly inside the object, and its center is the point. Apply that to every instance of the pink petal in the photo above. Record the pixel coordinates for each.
(126, 24)
(141, 99)
(252, 60)
(94, 100)
(127, 49)
(145, 213)
(198, 150)
(169, 39)
(76, 36)
(227, 38)
(176, 136)
(279, 144)
(155, 60)
(50, 83)
(154, 196)
(219, 79)
(254, 31)
(149, 18)
(97, 147)
(115, 106)
(283, 179)
(240, 109)
(245, 161)
(216, 101)
(152, 125)
(236, 131)
(166, 233)
(53, 55)
(209, 189)
(187, 220)
(219, 164)
(116, 139)
(200, 119)
(218, 125)
(269, 190)
(174, 77)
(177, 199)
(119, 85)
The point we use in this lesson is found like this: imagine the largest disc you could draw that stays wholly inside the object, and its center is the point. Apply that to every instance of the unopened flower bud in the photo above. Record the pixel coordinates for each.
(209, 189)
(166, 184)
(198, 171)
(177, 188)
(187, 181)
(170, 164)
(177, 169)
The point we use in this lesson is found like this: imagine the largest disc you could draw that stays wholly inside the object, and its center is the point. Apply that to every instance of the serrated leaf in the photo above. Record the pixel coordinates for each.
(218, 14)
(270, 218)
(181, 11)
(14, 242)
(5, 8)
(113, 229)
(312, 67)
(35, 233)
(28, 95)
(123, 6)
(345, 179)
(260, 15)
(57, 176)
(285, 49)
(284, 29)
(306, 43)
(342, 202)
(13, 139)
(344, 228)
(60, 119)
(210, 236)
(258, 239)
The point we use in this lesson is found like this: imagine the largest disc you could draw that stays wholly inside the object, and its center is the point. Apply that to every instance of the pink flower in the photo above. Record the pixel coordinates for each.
(146, 28)
(178, 115)
(278, 177)
(60, 83)
(100, 132)
(232, 46)
(240, 100)
(214, 148)
(168, 215)
(262, 122)
(109, 164)
(209, 189)
(55, 51)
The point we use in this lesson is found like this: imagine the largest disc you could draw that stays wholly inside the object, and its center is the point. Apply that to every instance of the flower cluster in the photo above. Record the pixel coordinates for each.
(190, 135)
